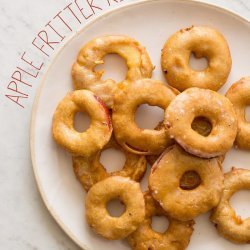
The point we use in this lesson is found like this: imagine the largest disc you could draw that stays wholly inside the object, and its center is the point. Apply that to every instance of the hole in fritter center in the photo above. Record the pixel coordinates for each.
(198, 64)
(112, 159)
(159, 224)
(81, 122)
(240, 202)
(247, 113)
(114, 67)
(115, 207)
(202, 126)
(190, 180)
(148, 117)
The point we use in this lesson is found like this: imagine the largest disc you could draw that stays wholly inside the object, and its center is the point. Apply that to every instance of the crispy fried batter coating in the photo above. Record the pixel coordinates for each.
(239, 95)
(228, 224)
(127, 99)
(202, 42)
(99, 219)
(217, 109)
(90, 171)
(176, 237)
(92, 54)
(92, 140)
(184, 198)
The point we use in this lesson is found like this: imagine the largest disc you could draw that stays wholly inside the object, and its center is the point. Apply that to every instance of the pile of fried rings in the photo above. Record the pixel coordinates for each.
(186, 150)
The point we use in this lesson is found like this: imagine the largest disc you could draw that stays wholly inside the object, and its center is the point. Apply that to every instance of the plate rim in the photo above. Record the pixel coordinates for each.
(38, 91)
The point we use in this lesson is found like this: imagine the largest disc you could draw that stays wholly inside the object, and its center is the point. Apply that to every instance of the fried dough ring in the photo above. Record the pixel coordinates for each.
(88, 142)
(114, 228)
(127, 99)
(176, 237)
(92, 54)
(239, 95)
(203, 42)
(185, 201)
(195, 102)
(91, 171)
(228, 224)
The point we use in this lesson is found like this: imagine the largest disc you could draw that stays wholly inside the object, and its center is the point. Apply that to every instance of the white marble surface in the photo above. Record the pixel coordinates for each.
(25, 224)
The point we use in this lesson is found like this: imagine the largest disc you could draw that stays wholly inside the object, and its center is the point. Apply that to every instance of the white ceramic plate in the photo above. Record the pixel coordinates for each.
(151, 23)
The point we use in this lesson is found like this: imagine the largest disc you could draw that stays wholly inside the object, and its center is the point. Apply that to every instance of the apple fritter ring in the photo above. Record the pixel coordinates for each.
(202, 42)
(127, 99)
(239, 95)
(90, 171)
(99, 219)
(217, 109)
(86, 77)
(229, 225)
(90, 141)
(194, 185)
(176, 237)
